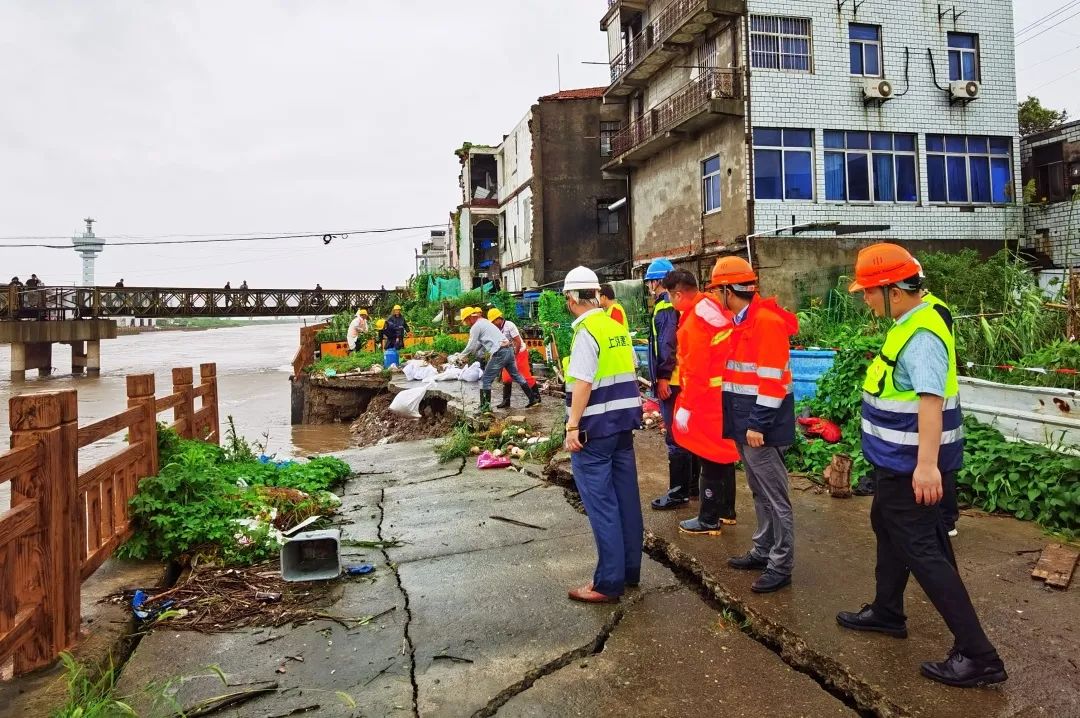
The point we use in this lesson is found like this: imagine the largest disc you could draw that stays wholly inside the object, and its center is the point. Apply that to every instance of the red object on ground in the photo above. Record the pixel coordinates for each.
(650, 405)
(824, 428)
(487, 460)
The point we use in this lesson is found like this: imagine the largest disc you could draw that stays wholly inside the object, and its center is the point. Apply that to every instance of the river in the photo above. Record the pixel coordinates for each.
(253, 365)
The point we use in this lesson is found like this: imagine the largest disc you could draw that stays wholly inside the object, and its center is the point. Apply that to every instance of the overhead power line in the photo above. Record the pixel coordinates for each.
(1048, 28)
(1049, 16)
(327, 237)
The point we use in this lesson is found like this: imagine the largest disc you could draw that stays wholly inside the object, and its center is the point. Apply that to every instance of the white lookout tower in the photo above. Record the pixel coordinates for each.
(89, 247)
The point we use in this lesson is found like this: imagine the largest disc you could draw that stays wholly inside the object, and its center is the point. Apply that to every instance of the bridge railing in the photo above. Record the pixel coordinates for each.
(166, 302)
(63, 523)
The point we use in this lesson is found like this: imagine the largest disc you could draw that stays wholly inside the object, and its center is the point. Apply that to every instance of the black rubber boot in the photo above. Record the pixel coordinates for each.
(506, 397)
(695, 477)
(534, 396)
(485, 401)
(679, 474)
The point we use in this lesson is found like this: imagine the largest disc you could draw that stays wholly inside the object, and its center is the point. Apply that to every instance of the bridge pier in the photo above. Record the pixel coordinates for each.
(32, 344)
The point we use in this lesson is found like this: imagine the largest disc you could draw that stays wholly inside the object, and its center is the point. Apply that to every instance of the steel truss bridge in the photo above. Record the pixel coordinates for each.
(58, 303)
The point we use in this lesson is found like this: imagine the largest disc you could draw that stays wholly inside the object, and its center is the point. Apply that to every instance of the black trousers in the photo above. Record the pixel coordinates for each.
(912, 539)
(717, 492)
(950, 510)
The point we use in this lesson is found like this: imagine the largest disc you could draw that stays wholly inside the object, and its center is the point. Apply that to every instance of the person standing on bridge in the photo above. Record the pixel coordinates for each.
(396, 328)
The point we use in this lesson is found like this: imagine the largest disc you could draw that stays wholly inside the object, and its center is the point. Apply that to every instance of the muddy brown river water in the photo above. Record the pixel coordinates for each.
(253, 366)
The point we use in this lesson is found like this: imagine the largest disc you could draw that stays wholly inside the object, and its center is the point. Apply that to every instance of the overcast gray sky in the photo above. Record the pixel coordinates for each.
(231, 116)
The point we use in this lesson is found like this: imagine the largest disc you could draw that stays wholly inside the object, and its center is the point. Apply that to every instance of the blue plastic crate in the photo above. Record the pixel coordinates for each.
(807, 367)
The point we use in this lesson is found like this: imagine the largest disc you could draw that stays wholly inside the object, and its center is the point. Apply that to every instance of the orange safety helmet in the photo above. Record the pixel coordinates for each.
(735, 272)
(880, 265)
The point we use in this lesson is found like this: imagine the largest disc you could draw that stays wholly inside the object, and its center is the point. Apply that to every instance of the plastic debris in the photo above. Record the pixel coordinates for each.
(360, 569)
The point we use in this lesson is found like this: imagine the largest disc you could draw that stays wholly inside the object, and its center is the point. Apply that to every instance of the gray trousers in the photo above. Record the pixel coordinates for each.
(768, 479)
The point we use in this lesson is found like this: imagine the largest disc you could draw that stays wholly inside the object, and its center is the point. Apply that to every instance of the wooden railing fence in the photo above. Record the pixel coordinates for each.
(63, 524)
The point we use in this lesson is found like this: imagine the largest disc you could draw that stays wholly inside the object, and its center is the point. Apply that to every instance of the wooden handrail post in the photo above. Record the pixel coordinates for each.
(140, 392)
(48, 569)
(208, 375)
(183, 382)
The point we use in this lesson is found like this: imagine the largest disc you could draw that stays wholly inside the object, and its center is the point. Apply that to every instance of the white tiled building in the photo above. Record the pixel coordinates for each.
(938, 159)
(1051, 161)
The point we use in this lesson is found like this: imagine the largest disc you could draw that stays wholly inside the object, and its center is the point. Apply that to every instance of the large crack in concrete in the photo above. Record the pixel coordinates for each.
(408, 648)
(593, 647)
(826, 671)
(459, 472)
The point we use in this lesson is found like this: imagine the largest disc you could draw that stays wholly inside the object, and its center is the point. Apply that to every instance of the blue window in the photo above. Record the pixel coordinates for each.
(710, 184)
(864, 43)
(783, 163)
(963, 169)
(781, 43)
(870, 166)
(963, 56)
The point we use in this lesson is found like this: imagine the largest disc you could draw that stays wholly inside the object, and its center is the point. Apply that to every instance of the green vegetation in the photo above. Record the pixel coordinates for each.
(555, 319)
(1036, 118)
(461, 441)
(1001, 318)
(222, 503)
(347, 363)
(211, 323)
(89, 697)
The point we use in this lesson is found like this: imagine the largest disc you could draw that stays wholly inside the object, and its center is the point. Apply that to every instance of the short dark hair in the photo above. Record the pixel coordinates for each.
(680, 279)
(746, 296)
(606, 290)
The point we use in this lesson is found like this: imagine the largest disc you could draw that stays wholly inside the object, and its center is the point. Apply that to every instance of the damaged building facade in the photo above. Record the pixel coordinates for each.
(800, 130)
(1051, 164)
(537, 205)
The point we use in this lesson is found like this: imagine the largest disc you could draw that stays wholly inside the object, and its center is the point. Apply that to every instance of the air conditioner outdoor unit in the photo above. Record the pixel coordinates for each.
(877, 90)
(965, 90)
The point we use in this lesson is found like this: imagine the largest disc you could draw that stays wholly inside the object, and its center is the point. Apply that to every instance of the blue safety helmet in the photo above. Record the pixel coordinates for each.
(659, 269)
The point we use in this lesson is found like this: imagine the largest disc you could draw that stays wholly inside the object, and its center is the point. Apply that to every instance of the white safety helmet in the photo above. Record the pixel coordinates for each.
(581, 278)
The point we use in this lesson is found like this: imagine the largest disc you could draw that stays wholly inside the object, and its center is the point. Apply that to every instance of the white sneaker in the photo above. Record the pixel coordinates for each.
(954, 533)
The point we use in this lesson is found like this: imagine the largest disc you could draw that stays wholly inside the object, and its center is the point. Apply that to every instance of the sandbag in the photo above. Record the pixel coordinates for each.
(407, 403)
(472, 373)
(449, 373)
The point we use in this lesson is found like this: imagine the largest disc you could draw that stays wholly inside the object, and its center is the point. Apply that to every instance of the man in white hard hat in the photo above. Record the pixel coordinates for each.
(603, 409)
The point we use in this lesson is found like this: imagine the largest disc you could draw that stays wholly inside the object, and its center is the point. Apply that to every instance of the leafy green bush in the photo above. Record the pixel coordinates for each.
(195, 502)
(1030, 481)
(555, 319)
(341, 365)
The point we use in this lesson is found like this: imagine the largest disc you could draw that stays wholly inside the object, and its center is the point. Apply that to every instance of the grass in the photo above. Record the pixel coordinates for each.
(347, 363)
(89, 697)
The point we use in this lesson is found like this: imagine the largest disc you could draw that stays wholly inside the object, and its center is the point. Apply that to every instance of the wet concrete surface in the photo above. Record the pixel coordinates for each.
(672, 655)
(1036, 629)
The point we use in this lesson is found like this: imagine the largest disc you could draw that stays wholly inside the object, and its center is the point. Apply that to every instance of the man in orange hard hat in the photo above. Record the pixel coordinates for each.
(759, 415)
(705, 329)
(912, 434)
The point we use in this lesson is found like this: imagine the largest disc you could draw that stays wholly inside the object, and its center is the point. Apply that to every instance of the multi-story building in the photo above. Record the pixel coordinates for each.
(434, 254)
(676, 74)
(880, 120)
(537, 205)
(1051, 166)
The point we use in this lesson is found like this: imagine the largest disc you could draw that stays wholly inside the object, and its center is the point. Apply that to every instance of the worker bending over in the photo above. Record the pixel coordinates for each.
(485, 336)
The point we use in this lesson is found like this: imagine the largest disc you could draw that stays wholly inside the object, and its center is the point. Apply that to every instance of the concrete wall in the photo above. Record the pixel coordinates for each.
(666, 195)
(515, 206)
(796, 269)
(569, 182)
(830, 98)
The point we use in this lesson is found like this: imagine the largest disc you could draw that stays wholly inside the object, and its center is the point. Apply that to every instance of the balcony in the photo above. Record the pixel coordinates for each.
(675, 27)
(711, 96)
(621, 11)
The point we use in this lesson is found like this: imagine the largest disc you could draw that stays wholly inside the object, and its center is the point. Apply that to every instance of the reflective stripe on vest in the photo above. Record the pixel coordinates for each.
(615, 401)
(890, 416)
(660, 306)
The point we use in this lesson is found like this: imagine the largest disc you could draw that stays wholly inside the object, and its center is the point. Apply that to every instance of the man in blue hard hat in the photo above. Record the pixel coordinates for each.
(664, 374)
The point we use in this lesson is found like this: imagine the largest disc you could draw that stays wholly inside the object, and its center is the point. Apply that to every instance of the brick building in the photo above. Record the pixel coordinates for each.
(1051, 161)
(885, 120)
(536, 205)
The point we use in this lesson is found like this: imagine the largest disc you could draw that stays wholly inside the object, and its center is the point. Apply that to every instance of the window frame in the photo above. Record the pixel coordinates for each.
(784, 150)
(870, 152)
(603, 223)
(779, 36)
(989, 155)
(1051, 172)
(707, 179)
(975, 52)
(607, 136)
(879, 44)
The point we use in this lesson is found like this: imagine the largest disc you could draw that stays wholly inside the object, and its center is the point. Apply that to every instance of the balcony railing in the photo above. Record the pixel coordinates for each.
(691, 99)
(670, 19)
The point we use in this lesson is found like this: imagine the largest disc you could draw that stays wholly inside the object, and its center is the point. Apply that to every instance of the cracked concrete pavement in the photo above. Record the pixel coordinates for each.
(475, 619)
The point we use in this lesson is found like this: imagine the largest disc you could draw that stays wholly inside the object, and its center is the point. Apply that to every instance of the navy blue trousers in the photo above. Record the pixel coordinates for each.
(605, 472)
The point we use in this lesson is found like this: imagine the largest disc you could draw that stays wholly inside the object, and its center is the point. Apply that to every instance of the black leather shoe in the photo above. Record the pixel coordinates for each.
(667, 502)
(962, 672)
(866, 620)
(748, 562)
(770, 581)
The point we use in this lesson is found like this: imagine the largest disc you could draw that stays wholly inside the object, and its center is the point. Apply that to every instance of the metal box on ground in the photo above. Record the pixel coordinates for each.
(312, 556)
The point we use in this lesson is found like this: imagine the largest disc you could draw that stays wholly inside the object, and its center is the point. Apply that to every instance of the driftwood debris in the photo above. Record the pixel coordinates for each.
(1056, 565)
(838, 476)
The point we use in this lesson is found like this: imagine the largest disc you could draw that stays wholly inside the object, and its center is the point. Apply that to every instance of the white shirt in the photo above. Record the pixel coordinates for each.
(354, 332)
(511, 332)
(584, 353)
